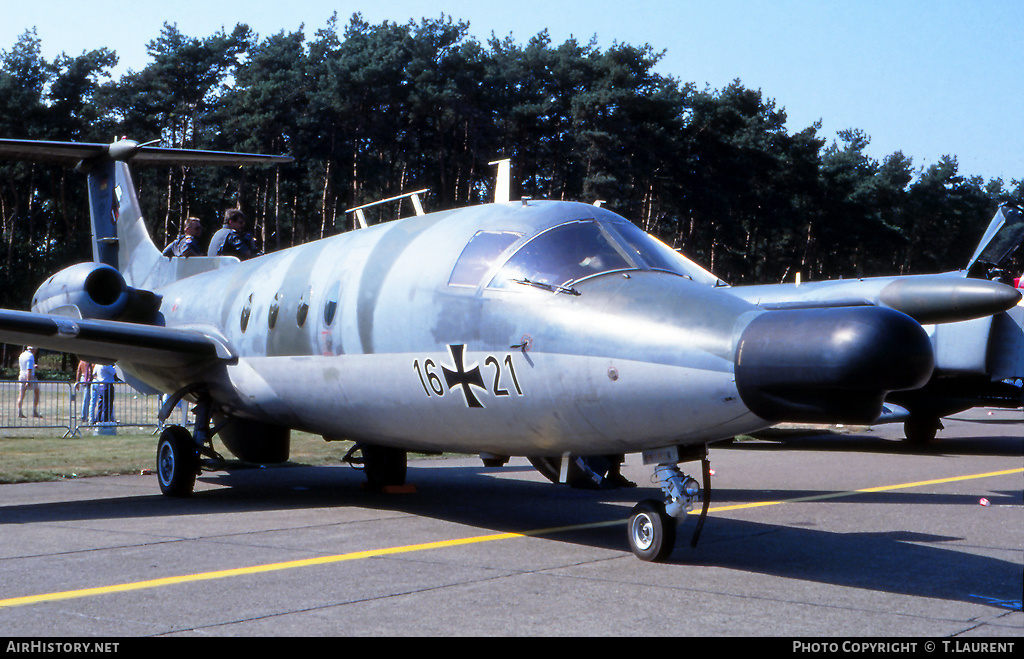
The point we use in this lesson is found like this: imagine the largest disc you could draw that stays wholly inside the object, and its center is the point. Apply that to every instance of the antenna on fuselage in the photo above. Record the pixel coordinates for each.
(414, 196)
(503, 181)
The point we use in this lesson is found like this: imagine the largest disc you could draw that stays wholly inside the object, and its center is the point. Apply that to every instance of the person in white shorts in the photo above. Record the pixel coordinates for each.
(27, 378)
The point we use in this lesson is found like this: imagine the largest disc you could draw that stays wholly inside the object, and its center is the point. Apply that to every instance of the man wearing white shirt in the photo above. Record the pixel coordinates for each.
(27, 378)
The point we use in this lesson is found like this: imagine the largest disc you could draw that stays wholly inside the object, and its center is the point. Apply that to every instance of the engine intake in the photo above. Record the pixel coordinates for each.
(94, 290)
(829, 365)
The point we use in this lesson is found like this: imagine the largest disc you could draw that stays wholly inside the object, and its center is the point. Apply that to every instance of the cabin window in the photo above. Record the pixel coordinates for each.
(246, 310)
(331, 303)
(479, 255)
(303, 310)
(561, 255)
(275, 308)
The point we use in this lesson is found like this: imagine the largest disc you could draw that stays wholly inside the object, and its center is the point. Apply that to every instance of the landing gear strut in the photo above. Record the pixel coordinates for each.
(179, 452)
(652, 523)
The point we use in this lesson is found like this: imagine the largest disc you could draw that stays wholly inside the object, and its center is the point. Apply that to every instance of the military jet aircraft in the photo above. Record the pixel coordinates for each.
(975, 327)
(527, 328)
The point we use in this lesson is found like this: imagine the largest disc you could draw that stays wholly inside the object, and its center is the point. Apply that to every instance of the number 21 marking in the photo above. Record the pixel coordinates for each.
(496, 388)
(433, 386)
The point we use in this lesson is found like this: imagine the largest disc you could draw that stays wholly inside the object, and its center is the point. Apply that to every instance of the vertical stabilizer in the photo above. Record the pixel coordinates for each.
(103, 214)
(119, 235)
(120, 238)
(138, 258)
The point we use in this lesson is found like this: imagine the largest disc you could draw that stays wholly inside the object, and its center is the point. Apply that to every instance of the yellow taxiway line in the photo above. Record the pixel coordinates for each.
(405, 549)
(867, 490)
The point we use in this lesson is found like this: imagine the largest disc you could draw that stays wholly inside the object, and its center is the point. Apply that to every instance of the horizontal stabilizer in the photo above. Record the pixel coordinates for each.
(73, 153)
(114, 340)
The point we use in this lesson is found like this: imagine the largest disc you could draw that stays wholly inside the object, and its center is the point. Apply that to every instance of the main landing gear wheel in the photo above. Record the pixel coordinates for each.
(384, 467)
(652, 531)
(177, 462)
(921, 430)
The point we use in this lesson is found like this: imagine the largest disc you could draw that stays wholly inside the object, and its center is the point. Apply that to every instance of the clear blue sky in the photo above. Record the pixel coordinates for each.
(925, 77)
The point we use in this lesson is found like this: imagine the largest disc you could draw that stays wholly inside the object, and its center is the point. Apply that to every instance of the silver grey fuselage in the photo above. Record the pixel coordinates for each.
(357, 336)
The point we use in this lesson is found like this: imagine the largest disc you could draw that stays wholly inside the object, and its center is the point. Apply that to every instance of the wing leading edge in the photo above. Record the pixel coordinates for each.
(114, 340)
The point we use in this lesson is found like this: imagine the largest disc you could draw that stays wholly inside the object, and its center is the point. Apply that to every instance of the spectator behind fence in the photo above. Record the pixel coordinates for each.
(83, 381)
(27, 378)
(103, 377)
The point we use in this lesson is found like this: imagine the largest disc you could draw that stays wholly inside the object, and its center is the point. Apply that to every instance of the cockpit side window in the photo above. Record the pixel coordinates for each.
(656, 255)
(1001, 250)
(479, 255)
(564, 254)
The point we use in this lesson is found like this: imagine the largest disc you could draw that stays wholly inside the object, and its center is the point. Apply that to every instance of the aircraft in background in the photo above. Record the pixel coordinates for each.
(979, 358)
(529, 328)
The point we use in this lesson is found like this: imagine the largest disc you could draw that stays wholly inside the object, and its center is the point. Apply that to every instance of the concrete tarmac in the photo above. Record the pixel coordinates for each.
(842, 533)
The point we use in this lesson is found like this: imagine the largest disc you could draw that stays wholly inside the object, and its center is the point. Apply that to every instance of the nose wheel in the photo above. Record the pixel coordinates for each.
(652, 531)
(653, 524)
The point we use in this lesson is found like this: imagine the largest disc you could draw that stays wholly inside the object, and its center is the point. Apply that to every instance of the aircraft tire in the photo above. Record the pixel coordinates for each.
(177, 462)
(384, 466)
(921, 430)
(652, 531)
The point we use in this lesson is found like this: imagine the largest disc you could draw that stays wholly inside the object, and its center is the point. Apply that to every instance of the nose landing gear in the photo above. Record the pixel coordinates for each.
(652, 524)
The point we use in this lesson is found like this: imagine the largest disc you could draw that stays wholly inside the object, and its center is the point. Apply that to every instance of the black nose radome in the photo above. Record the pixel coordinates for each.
(829, 365)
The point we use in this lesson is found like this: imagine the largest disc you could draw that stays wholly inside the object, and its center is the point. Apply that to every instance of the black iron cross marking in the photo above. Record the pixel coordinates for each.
(460, 377)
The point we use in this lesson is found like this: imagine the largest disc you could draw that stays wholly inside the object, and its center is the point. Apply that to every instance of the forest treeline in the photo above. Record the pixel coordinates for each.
(372, 111)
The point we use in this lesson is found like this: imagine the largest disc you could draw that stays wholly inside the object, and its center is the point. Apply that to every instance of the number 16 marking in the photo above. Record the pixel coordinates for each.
(433, 386)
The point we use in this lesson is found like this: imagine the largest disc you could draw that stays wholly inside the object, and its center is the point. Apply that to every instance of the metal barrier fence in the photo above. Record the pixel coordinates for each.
(102, 407)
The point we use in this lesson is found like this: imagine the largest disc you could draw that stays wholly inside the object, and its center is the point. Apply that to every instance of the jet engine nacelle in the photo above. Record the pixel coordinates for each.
(829, 365)
(94, 290)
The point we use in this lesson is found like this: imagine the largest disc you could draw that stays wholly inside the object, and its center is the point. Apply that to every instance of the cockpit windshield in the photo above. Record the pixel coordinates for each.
(562, 255)
(656, 255)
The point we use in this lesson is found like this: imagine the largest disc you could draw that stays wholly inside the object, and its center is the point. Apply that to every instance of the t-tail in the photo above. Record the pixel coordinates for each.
(1000, 255)
(126, 263)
